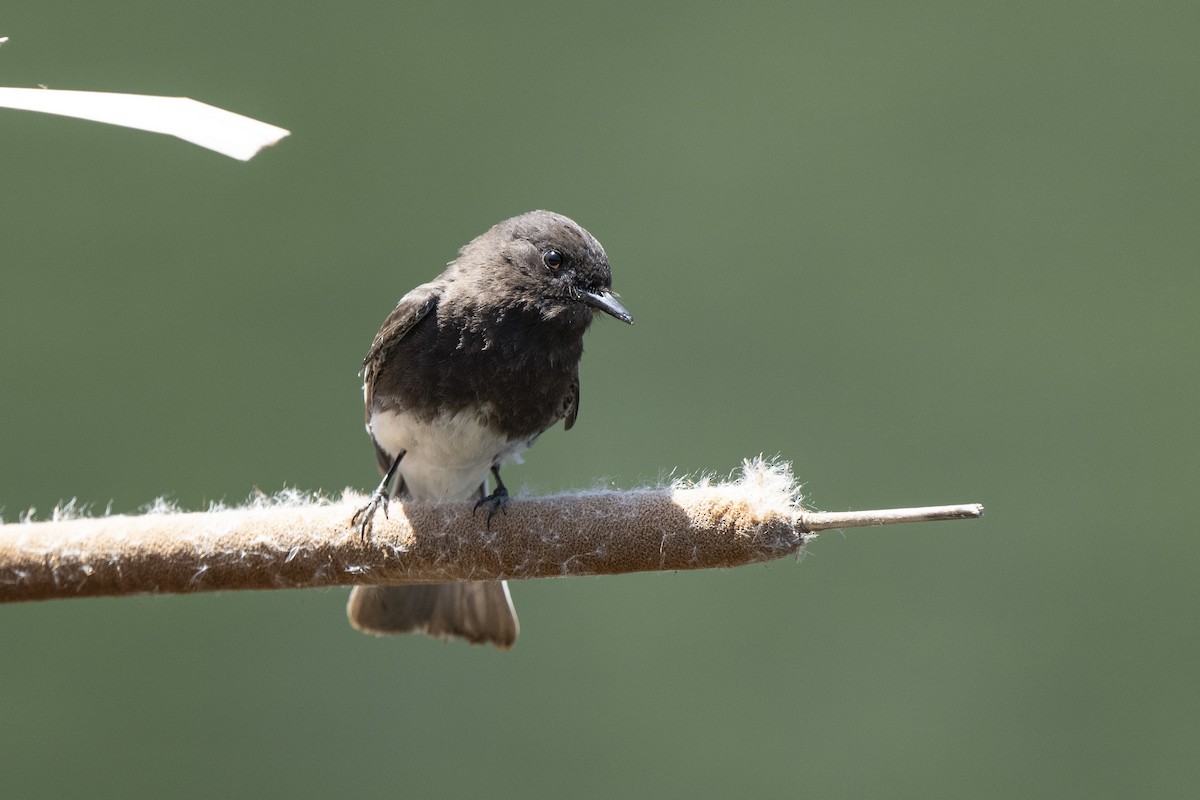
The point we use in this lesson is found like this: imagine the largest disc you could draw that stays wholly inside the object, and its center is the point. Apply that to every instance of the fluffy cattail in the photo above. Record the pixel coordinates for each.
(292, 541)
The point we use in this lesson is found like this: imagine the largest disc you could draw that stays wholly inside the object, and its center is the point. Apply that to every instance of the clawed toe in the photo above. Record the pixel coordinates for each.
(496, 501)
(362, 517)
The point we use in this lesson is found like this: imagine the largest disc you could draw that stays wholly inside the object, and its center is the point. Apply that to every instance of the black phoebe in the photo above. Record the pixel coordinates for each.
(464, 375)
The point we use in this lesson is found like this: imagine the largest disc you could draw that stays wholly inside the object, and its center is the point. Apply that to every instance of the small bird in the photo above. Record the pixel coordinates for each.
(466, 372)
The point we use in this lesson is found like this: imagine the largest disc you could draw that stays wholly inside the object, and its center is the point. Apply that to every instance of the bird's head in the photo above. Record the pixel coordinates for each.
(547, 262)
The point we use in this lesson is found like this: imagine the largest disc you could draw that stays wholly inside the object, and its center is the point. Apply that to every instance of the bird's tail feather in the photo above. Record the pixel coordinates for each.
(480, 612)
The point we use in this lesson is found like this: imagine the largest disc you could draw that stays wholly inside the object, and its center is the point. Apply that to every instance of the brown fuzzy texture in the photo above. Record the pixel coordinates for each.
(295, 544)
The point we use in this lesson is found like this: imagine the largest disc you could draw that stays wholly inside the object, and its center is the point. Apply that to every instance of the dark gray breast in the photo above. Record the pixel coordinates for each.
(520, 369)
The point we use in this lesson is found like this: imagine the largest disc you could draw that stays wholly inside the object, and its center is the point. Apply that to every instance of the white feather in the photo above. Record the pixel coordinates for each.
(446, 459)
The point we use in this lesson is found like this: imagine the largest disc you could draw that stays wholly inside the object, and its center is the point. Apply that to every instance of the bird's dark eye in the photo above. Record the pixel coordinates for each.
(552, 259)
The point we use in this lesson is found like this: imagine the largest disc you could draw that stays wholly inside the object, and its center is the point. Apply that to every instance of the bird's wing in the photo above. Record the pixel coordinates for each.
(571, 403)
(411, 309)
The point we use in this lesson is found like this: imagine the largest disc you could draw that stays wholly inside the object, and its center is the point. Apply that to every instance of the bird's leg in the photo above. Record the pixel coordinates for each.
(362, 517)
(497, 500)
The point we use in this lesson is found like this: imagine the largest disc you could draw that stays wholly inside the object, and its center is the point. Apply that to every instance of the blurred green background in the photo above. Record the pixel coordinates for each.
(930, 252)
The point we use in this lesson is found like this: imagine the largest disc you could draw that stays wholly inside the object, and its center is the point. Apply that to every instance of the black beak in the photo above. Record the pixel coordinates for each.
(604, 301)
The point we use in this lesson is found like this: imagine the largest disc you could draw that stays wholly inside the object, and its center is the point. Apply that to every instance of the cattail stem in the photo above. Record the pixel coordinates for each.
(296, 544)
(824, 520)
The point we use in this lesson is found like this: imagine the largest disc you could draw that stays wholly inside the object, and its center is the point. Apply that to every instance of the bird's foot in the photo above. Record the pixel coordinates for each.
(362, 517)
(496, 501)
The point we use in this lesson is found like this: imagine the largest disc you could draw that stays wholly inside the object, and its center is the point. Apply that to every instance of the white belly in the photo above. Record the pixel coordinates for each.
(445, 460)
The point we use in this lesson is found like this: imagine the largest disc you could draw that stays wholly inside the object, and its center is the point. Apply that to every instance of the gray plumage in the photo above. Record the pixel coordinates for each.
(465, 373)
